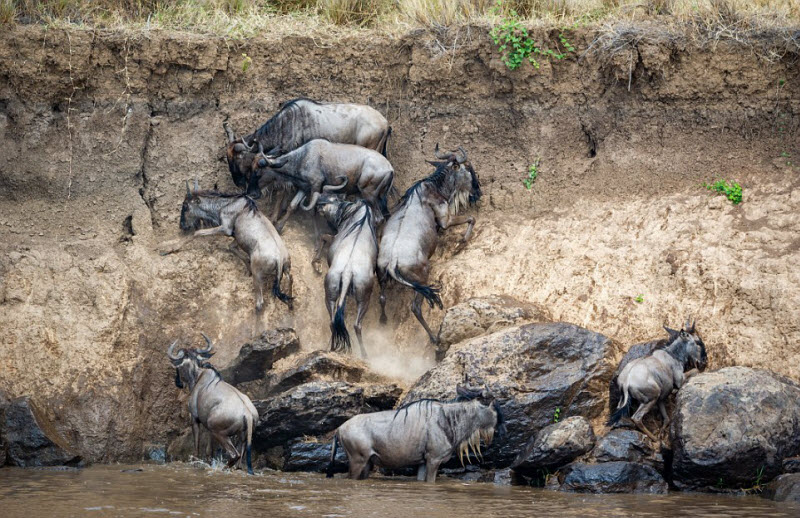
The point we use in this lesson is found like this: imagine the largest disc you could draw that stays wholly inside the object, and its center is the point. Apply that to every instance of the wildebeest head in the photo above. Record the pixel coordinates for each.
(193, 213)
(489, 415)
(240, 157)
(688, 339)
(261, 175)
(328, 206)
(189, 362)
(466, 184)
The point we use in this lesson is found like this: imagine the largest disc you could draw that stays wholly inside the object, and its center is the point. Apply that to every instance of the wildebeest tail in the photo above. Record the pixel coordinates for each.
(340, 338)
(430, 293)
(249, 423)
(276, 287)
(383, 204)
(623, 409)
(334, 445)
(385, 141)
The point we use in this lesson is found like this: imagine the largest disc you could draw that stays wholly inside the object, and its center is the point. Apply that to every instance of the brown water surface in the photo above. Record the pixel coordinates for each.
(184, 490)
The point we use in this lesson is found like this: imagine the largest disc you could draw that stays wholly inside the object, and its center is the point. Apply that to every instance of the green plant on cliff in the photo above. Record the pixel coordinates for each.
(516, 43)
(557, 414)
(247, 61)
(639, 299)
(533, 173)
(732, 191)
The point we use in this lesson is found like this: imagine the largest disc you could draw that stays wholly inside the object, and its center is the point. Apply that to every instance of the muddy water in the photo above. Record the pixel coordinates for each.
(187, 491)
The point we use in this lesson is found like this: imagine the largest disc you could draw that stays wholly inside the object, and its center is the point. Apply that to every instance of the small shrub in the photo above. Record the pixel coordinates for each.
(557, 414)
(247, 61)
(639, 299)
(8, 11)
(515, 42)
(352, 12)
(533, 173)
(732, 191)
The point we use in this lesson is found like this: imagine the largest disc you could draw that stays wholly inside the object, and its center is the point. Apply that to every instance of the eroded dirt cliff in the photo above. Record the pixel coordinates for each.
(99, 131)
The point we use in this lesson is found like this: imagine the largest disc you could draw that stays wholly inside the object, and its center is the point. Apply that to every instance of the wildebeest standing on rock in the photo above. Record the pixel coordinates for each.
(351, 261)
(300, 121)
(423, 433)
(651, 379)
(218, 406)
(259, 244)
(411, 234)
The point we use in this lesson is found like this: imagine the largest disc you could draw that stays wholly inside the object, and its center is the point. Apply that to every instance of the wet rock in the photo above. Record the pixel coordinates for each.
(785, 488)
(257, 357)
(532, 369)
(639, 350)
(181, 448)
(3, 444)
(502, 477)
(313, 456)
(304, 368)
(316, 408)
(483, 315)
(624, 445)
(155, 453)
(31, 440)
(791, 465)
(733, 424)
(555, 446)
(611, 477)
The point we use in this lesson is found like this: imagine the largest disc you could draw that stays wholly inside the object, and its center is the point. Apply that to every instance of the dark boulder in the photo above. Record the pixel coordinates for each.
(313, 456)
(31, 440)
(733, 426)
(555, 446)
(481, 315)
(257, 357)
(785, 488)
(316, 408)
(532, 369)
(610, 477)
(627, 445)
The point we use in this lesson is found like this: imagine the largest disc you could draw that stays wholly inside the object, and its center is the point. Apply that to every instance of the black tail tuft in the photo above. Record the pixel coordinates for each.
(278, 294)
(340, 338)
(430, 293)
(386, 141)
(621, 412)
(330, 470)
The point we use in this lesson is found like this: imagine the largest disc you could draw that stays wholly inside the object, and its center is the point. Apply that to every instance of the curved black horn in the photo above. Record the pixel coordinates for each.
(209, 345)
(229, 132)
(172, 356)
(463, 155)
(312, 203)
(188, 190)
(196, 185)
(688, 325)
(442, 156)
(261, 150)
(249, 146)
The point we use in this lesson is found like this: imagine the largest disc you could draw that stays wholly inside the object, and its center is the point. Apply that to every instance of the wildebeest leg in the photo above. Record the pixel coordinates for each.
(324, 239)
(238, 252)
(382, 279)
(416, 308)
(642, 411)
(362, 299)
(367, 470)
(196, 437)
(258, 285)
(287, 271)
(229, 447)
(277, 203)
(292, 207)
(460, 220)
(664, 416)
(432, 467)
(421, 471)
(357, 465)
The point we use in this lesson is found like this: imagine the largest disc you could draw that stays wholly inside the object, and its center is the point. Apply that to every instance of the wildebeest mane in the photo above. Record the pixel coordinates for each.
(280, 122)
(218, 374)
(436, 179)
(250, 203)
(347, 209)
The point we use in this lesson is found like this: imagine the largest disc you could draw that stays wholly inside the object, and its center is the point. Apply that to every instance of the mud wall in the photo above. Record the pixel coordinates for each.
(98, 132)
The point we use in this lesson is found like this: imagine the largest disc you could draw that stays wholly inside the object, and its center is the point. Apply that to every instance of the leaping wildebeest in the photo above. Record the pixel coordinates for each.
(321, 166)
(411, 234)
(651, 379)
(424, 433)
(256, 241)
(300, 121)
(218, 406)
(351, 264)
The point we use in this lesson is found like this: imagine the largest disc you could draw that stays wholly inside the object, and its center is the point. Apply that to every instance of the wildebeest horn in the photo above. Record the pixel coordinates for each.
(196, 185)
(312, 203)
(261, 150)
(188, 190)
(443, 156)
(463, 155)
(329, 188)
(688, 325)
(170, 354)
(249, 146)
(209, 346)
(229, 132)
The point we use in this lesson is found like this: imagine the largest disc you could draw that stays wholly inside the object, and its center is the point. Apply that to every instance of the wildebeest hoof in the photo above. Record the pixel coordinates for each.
(259, 308)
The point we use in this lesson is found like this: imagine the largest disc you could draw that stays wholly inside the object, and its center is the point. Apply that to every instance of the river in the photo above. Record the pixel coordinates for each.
(187, 491)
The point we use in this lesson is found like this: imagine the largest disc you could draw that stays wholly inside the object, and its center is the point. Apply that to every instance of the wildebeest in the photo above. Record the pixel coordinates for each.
(321, 166)
(424, 433)
(651, 379)
(301, 120)
(218, 406)
(259, 244)
(411, 234)
(351, 264)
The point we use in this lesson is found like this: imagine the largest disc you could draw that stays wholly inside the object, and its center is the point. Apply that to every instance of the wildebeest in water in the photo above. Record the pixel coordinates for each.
(300, 121)
(410, 236)
(218, 406)
(424, 433)
(351, 264)
(321, 166)
(651, 379)
(257, 242)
